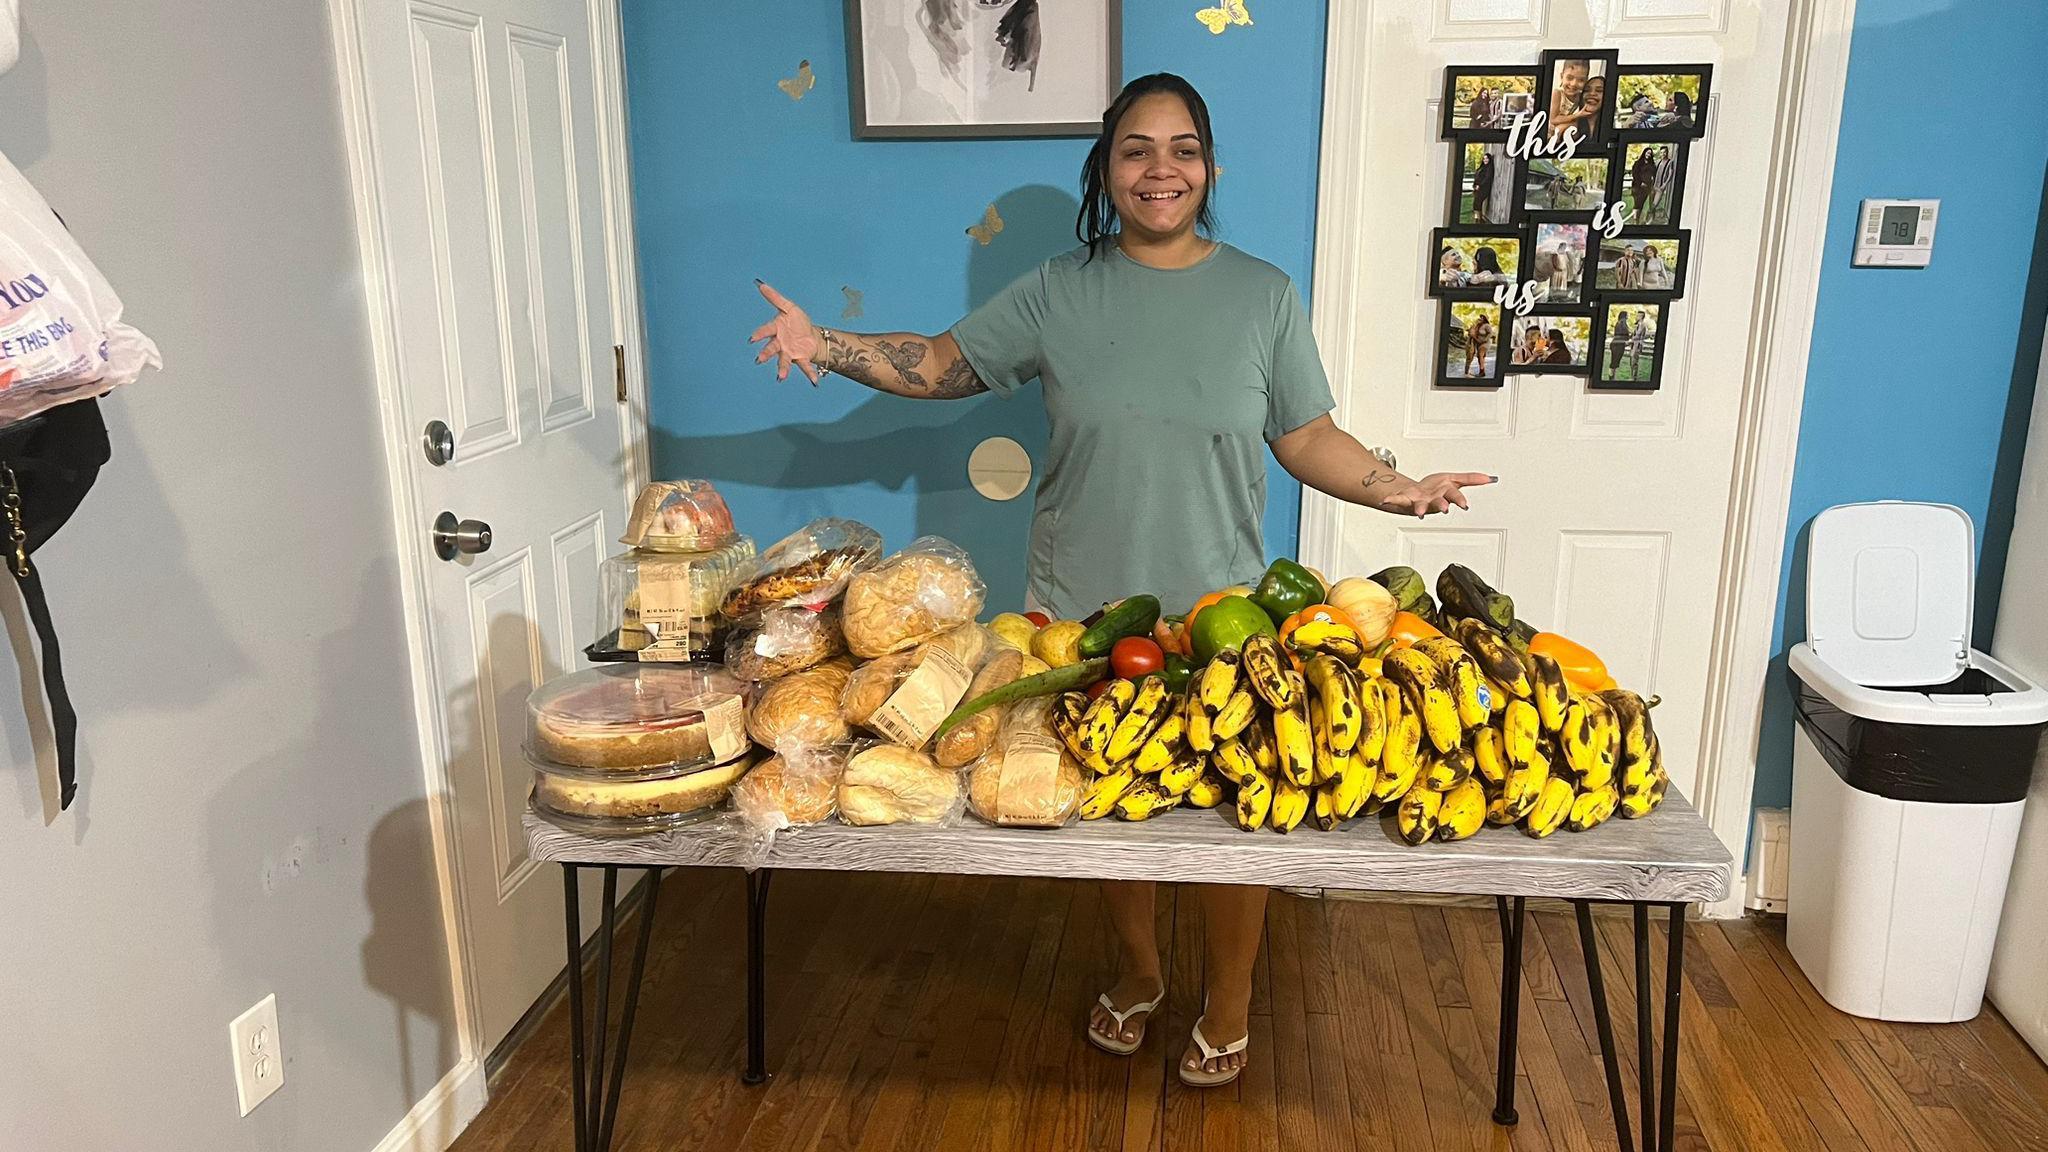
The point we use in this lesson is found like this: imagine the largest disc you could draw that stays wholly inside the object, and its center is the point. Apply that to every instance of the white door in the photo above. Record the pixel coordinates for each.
(488, 175)
(1608, 520)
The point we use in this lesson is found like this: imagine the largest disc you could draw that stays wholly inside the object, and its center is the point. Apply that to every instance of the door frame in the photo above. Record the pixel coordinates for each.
(401, 439)
(1773, 385)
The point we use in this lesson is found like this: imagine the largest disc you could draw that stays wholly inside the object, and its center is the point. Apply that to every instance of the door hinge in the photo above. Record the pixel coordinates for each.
(619, 369)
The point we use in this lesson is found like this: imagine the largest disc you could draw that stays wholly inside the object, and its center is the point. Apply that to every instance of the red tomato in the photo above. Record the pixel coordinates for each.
(1038, 618)
(1135, 657)
(1097, 688)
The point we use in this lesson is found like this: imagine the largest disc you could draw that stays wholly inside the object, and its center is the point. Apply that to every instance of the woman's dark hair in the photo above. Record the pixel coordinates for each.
(1486, 260)
(1682, 104)
(1097, 220)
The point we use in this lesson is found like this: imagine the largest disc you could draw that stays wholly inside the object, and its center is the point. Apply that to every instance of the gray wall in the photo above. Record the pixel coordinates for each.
(251, 819)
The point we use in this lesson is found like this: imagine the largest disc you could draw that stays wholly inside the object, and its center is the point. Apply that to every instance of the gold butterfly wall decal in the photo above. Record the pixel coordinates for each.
(853, 307)
(1228, 12)
(800, 83)
(991, 223)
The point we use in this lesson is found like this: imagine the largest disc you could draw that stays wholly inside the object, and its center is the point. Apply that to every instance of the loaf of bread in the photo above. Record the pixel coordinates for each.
(928, 588)
(802, 708)
(974, 736)
(891, 784)
(781, 791)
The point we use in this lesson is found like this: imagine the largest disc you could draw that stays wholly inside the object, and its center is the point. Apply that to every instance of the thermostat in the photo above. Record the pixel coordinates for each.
(1896, 233)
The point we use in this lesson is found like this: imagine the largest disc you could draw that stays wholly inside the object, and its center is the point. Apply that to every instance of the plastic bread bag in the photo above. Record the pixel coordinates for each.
(888, 783)
(807, 568)
(904, 696)
(61, 335)
(973, 737)
(1027, 778)
(802, 709)
(783, 640)
(786, 791)
(910, 597)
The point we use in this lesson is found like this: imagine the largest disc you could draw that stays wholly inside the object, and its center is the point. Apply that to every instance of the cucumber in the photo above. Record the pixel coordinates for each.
(1135, 616)
(1067, 679)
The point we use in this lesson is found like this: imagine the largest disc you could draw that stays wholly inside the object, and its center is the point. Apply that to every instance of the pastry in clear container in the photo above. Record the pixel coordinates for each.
(679, 516)
(561, 791)
(665, 604)
(807, 568)
(636, 717)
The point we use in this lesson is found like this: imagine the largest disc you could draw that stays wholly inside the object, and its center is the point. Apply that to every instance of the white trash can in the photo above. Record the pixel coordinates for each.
(1909, 769)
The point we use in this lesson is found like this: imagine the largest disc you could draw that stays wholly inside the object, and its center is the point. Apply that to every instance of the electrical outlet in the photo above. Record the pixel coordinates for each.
(259, 1054)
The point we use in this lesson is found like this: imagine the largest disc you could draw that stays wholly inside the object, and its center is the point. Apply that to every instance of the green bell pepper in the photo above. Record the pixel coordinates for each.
(1285, 589)
(1177, 672)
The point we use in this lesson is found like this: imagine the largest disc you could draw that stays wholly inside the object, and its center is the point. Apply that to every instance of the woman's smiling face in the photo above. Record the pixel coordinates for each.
(1157, 176)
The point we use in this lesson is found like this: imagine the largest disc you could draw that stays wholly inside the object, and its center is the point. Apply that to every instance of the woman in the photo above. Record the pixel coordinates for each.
(1642, 180)
(1655, 274)
(1486, 267)
(1680, 113)
(1478, 339)
(1170, 363)
(1591, 107)
(1482, 190)
(1617, 343)
(1559, 352)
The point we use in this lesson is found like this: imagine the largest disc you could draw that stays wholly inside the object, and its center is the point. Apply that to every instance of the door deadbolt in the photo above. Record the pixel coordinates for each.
(454, 537)
(438, 442)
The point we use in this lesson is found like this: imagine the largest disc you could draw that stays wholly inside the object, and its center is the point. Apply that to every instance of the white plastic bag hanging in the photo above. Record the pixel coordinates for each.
(61, 335)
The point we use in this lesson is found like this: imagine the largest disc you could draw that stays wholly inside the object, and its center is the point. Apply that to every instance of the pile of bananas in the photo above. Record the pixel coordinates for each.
(1448, 735)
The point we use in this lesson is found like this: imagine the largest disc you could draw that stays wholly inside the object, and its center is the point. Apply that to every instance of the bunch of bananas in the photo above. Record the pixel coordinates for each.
(1449, 735)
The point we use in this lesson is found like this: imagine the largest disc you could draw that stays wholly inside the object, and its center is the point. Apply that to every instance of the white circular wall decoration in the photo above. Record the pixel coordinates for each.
(999, 468)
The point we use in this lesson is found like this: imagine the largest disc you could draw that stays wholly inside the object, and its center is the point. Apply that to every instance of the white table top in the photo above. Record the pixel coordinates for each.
(1669, 855)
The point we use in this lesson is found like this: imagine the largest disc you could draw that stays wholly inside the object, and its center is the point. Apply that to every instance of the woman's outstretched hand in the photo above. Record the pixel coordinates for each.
(1436, 492)
(791, 337)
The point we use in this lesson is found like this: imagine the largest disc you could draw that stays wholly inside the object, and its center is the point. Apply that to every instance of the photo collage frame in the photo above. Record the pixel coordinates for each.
(1561, 251)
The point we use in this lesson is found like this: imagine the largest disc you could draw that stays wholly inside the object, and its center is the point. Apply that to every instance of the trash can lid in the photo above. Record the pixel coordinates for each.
(1889, 591)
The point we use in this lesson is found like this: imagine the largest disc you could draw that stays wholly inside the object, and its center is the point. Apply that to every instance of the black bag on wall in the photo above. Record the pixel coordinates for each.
(47, 463)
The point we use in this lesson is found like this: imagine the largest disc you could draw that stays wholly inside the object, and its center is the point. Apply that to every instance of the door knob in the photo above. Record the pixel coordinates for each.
(438, 443)
(452, 536)
(1384, 456)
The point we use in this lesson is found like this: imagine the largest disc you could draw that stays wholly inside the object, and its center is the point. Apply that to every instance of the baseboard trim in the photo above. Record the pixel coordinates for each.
(442, 1114)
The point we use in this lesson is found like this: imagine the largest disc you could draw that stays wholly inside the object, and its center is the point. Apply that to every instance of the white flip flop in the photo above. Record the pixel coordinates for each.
(1117, 1047)
(1198, 1078)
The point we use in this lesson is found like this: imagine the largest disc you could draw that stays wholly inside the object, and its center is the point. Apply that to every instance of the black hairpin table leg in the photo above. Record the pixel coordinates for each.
(596, 1102)
(1510, 1008)
(757, 994)
(1657, 1079)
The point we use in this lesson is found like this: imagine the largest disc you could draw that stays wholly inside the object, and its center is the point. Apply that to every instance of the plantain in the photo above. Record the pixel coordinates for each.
(1401, 762)
(1148, 710)
(1498, 814)
(1490, 759)
(1339, 641)
(1201, 729)
(1602, 734)
(1294, 744)
(1372, 720)
(1519, 730)
(1102, 793)
(1463, 811)
(1468, 692)
(1643, 783)
(1464, 594)
(1254, 801)
(1217, 681)
(1071, 706)
(1552, 806)
(1416, 818)
(1495, 658)
(1207, 791)
(1440, 649)
(1324, 808)
(1257, 739)
(1164, 744)
(1337, 689)
(1497, 697)
(1420, 678)
(1290, 805)
(1591, 808)
(1236, 715)
(1525, 784)
(1144, 800)
(1632, 714)
(1068, 731)
(1576, 737)
(1352, 785)
(1266, 668)
(1448, 770)
(1233, 761)
(1099, 724)
(1180, 774)
(1548, 690)
(1411, 592)
(1319, 739)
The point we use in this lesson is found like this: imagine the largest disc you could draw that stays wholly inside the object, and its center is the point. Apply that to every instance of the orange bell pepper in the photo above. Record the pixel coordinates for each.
(1315, 612)
(1408, 628)
(1583, 671)
(1187, 626)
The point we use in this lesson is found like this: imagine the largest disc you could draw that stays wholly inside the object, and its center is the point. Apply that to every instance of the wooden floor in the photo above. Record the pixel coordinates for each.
(945, 1013)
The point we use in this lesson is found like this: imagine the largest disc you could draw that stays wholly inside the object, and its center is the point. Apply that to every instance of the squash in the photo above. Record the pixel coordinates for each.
(1370, 607)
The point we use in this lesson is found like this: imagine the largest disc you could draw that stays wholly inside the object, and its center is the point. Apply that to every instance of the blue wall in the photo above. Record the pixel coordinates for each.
(1921, 381)
(733, 180)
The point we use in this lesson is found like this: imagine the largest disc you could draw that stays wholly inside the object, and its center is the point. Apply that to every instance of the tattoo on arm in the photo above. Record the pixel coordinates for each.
(893, 365)
(905, 358)
(958, 380)
(1376, 479)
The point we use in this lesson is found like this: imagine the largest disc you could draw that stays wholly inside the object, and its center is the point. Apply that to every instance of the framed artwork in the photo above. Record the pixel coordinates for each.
(924, 69)
(1480, 103)
(1469, 265)
(1643, 263)
(1579, 184)
(1484, 180)
(1649, 180)
(1662, 100)
(1551, 340)
(1575, 89)
(1469, 344)
(1560, 257)
(1629, 344)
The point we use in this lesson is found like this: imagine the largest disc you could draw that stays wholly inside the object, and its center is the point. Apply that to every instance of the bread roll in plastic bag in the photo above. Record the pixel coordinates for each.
(783, 640)
(928, 588)
(973, 737)
(1027, 779)
(892, 784)
(807, 568)
(801, 710)
(61, 335)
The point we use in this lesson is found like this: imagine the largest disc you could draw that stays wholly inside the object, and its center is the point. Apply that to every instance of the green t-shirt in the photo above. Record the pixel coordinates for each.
(1162, 387)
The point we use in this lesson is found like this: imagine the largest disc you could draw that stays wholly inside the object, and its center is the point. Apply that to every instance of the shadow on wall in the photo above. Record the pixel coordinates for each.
(917, 444)
(24, 92)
